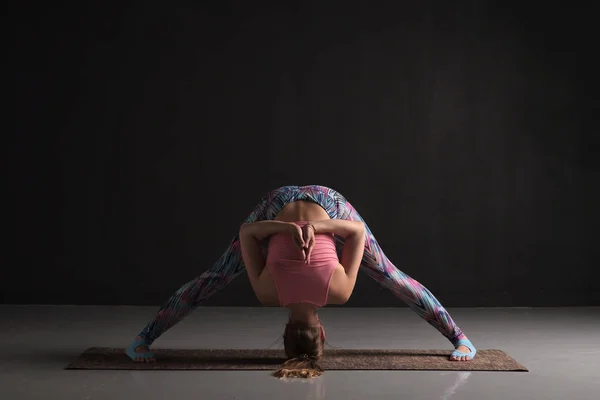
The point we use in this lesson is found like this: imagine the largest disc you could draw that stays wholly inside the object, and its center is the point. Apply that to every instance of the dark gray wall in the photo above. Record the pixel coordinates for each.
(466, 134)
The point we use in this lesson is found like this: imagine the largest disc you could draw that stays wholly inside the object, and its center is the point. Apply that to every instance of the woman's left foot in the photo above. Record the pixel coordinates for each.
(464, 351)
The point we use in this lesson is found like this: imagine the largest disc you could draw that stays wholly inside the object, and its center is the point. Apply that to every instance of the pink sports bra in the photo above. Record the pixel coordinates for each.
(296, 281)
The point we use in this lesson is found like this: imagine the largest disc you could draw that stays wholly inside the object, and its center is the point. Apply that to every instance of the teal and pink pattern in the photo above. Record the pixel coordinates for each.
(375, 264)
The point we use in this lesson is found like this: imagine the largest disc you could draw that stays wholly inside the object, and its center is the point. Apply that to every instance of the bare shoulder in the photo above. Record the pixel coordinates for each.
(339, 287)
(267, 291)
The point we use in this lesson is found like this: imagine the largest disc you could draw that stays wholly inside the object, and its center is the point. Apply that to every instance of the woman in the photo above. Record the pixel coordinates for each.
(302, 247)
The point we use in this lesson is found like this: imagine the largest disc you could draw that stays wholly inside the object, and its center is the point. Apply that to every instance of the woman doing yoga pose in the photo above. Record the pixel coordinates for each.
(302, 247)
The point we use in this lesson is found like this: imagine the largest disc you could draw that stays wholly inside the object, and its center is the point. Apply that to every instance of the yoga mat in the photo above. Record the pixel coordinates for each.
(262, 359)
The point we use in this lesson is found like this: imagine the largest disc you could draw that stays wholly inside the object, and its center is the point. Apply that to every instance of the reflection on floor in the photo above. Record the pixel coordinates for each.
(560, 346)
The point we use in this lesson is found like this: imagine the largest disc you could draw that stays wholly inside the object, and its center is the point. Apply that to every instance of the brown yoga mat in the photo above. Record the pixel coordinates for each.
(261, 359)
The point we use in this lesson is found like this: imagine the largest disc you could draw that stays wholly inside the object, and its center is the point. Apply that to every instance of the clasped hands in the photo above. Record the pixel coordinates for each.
(304, 237)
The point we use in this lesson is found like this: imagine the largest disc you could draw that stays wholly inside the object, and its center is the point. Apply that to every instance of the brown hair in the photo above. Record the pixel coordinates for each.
(303, 345)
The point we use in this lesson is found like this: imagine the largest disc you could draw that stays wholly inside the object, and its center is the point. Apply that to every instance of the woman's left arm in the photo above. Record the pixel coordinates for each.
(250, 236)
(263, 229)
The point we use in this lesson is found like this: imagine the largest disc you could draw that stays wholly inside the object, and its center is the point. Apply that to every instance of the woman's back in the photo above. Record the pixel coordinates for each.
(296, 280)
(302, 211)
(288, 278)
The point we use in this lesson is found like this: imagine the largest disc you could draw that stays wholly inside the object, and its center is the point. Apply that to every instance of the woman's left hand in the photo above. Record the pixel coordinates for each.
(297, 234)
(308, 234)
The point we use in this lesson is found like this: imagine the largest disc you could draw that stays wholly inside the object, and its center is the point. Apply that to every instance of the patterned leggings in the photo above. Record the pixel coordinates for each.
(374, 263)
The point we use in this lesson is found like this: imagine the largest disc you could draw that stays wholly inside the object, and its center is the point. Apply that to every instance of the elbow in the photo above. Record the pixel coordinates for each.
(345, 298)
(244, 230)
(360, 229)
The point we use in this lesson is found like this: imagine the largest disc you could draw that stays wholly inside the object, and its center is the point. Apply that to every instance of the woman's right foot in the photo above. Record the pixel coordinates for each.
(464, 351)
(141, 352)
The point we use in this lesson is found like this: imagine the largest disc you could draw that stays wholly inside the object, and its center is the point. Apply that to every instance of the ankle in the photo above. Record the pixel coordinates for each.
(146, 342)
(460, 337)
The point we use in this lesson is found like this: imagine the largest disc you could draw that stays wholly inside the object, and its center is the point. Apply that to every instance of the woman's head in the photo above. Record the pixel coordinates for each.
(303, 344)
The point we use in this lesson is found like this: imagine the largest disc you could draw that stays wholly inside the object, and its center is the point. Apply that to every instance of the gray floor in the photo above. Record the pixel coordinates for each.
(561, 347)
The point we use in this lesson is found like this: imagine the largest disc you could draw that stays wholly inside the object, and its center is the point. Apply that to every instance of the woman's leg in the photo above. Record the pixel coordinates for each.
(192, 294)
(229, 266)
(379, 267)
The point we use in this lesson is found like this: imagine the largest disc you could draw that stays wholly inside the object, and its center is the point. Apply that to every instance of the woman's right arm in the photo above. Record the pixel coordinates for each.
(354, 235)
(341, 227)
